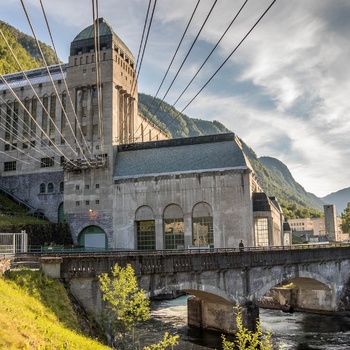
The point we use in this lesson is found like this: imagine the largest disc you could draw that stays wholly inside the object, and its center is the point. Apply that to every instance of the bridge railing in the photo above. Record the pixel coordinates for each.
(73, 250)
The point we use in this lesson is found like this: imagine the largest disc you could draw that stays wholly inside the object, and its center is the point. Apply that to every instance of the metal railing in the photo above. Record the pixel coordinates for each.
(13, 243)
(79, 250)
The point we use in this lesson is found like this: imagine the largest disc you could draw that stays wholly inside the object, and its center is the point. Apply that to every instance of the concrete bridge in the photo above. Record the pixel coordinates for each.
(220, 278)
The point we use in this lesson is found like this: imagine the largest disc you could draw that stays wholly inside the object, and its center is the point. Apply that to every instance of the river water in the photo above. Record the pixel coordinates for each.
(297, 331)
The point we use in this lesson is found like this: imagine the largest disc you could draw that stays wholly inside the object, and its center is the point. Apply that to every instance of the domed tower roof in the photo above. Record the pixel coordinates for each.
(88, 32)
(84, 42)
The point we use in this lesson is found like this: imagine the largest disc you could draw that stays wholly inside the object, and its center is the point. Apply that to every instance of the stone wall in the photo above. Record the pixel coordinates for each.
(26, 187)
(4, 266)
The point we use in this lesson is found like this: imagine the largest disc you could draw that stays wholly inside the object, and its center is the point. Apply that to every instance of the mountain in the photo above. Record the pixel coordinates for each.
(25, 49)
(340, 199)
(274, 177)
(173, 122)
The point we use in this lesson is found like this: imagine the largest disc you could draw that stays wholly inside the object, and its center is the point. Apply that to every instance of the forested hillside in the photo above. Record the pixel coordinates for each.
(174, 123)
(25, 49)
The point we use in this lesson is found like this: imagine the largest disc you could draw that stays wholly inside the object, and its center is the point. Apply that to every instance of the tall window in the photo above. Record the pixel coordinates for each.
(33, 119)
(146, 235)
(174, 228)
(42, 188)
(52, 116)
(145, 228)
(63, 117)
(26, 119)
(8, 122)
(261, 227)
(44, 117)
(50, 187)
(202, 226)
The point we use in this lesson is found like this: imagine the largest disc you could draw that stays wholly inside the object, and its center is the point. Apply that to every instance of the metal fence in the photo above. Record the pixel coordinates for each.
(13, 243)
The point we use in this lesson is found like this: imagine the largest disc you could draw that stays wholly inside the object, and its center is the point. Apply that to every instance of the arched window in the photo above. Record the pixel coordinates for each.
(174, 237)
(50, 187)
(145, 228)
(202, 225)
(61, 187)
(42, 188)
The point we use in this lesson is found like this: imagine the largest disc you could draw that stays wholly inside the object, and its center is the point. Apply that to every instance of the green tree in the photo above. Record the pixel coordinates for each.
(345, 219)
(246, 339)
(126, 306)
(164, 344)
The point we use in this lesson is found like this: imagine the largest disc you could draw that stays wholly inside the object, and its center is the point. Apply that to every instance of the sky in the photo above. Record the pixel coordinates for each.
(284, 90)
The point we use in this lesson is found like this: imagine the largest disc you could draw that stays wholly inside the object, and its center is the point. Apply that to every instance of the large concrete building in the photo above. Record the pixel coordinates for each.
(73, 144)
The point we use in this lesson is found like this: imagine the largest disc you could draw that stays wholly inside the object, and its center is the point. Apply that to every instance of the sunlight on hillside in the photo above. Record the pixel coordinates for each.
(35, 313)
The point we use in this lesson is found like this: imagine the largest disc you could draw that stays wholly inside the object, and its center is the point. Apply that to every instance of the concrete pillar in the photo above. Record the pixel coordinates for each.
(51, 266)
(220, 317)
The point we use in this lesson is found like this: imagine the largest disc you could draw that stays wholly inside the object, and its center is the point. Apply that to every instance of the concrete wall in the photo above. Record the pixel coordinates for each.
(227, 193)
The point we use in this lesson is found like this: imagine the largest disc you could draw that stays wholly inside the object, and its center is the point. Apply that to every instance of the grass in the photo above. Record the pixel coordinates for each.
(12, 213)
(36, 313)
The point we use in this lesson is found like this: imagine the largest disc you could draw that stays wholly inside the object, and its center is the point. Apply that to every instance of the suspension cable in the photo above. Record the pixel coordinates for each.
(65, 84)
(49, 74)
(205, 61)
(173, 58)
(225, 61)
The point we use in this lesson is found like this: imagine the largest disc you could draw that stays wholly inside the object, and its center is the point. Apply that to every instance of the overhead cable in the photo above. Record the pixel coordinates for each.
(225, 61)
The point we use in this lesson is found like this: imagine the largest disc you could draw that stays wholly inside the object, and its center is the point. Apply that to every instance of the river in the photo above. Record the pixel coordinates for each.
(297, 331)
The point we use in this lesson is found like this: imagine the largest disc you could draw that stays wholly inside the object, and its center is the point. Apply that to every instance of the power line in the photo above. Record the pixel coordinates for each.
(225, 61)
(205, 61)
(49, 74)
(65, 83)
(173, 58)
(185, 59)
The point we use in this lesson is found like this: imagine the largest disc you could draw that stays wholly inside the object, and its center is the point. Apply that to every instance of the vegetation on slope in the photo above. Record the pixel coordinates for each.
(36, 313)
(174, 123)
(25, 49)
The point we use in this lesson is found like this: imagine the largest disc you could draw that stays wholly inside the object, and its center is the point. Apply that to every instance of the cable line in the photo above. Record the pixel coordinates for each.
(225, 61)
(141, 43)
(183, 62)
(23, 130)
(26, 111)
(49, 74)
(173, 58)
(65, 84)
(203, 64)
(35, 93)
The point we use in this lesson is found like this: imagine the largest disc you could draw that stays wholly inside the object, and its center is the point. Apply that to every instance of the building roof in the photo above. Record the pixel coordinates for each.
(186, 155)
(35, 76)
(106, 34)
(88, 32)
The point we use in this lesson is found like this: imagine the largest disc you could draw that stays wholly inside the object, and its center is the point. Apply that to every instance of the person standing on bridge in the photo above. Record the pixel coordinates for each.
(241, 246)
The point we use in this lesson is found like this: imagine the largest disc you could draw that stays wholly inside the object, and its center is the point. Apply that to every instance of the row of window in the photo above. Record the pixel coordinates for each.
(46, 162)
(50, 188)
(25, 127)
(174, 233)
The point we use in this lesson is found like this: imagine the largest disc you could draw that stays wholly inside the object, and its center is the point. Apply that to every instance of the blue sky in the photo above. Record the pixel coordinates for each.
(284, 91)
